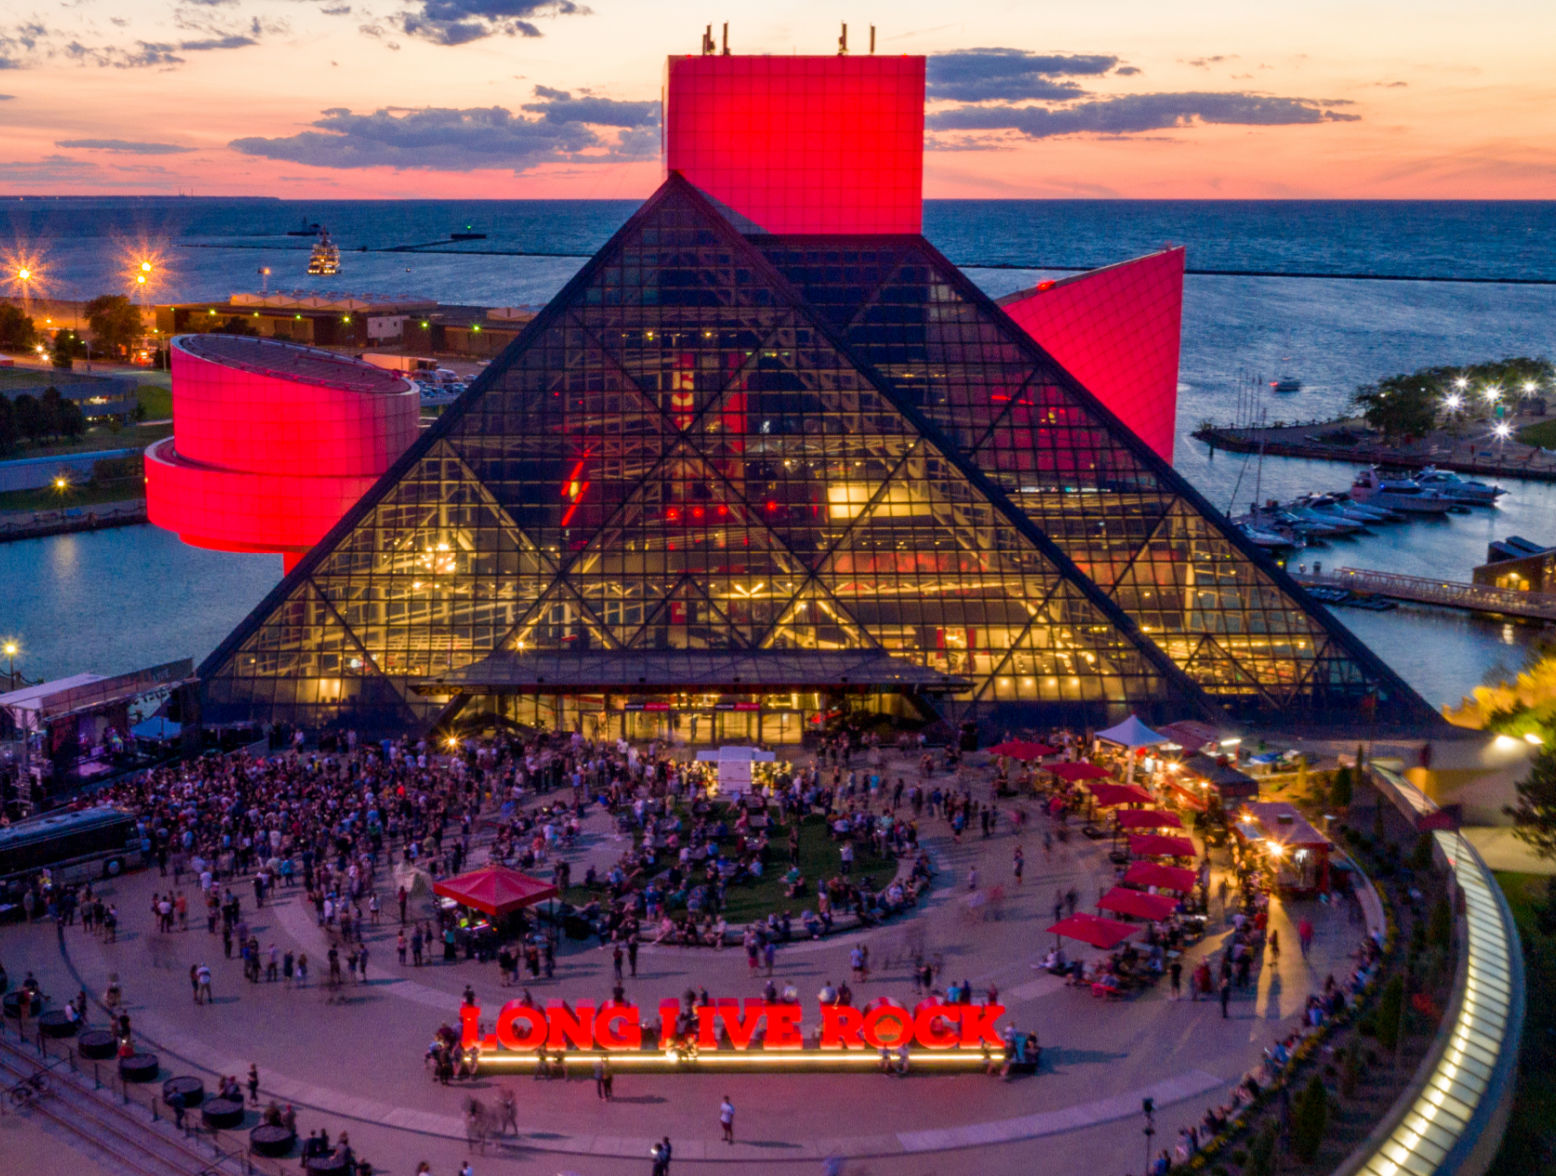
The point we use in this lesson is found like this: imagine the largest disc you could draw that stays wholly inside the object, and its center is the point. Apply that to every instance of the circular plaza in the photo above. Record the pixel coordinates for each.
(952, 882)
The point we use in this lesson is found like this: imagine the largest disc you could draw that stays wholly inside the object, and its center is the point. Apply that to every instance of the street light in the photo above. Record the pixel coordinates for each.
(10, 652)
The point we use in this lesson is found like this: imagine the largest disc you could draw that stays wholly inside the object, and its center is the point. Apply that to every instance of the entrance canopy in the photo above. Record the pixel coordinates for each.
(1094, 930)
(1132, 733)
(1137, 903)
(648, 671)
(495, 890)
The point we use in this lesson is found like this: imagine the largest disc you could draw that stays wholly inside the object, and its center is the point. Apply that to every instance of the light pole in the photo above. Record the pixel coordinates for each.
(10, 652)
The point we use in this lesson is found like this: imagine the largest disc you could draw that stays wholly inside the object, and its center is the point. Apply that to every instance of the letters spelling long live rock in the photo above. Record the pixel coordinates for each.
(883, 1025)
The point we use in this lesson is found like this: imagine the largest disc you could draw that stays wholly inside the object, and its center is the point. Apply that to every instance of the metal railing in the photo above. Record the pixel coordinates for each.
(1447, 593)
(1449, 1121)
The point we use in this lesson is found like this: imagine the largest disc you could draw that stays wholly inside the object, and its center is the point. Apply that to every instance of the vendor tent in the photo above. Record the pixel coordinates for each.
(1093, 929)
(1108, 795)
(1148, 819)
(1162, 877)
(1023, 749)
(1160, 845)
(1132, 733)
(1123, 901)
(495, 890)
(1075, 772)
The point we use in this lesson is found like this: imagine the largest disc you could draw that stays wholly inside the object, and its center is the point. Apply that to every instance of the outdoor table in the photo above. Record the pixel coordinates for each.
(55, 1023)
(139, 1067)
(192, 1088)
(223, 1112)
(98, 1045)
(272, 1139)
(333, 1164)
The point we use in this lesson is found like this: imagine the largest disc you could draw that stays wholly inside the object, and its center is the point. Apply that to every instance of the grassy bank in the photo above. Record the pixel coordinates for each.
(1542, 434)
(77, 497)
(1530, 1143)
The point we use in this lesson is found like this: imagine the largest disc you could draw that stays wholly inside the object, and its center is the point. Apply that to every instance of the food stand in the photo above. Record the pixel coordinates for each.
(1294, 851)
(493, 891)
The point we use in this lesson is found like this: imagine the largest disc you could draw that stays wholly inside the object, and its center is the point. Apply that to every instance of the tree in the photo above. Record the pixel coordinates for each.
(9, 433)
(1391, 1008)
(67, 345)
(115, 322)
(17, 332)
(1534, 816)
(236, 325)
(1307, 1125)
(1399, 406)
(29, 416)
(1340, 789)
(72, 421)
(51, 404)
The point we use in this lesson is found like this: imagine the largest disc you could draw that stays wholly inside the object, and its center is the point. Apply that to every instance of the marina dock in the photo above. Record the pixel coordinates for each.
(1537, 606)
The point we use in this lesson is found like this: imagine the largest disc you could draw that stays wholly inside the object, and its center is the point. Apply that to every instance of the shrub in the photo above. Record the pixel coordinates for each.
(1421, 855)
(1340, 789)
(1350, 1071)
(1391, 1007)
(1440, 930)
(1309, 1120)
(1261, 1153)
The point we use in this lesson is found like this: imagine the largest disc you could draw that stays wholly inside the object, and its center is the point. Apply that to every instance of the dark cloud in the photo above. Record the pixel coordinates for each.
(126, 146)
(561, 106)
(1009, 75)
(231, 41)
(210, 3)
(9, 63)
(6, 97)
(336, 10)
(429, 139)
(150, 54)
(1132, 114)
(1127, 71)
(458, 22)
(1207, 62)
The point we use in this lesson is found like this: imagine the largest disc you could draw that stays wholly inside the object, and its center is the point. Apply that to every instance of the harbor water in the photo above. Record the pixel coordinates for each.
(114, 600)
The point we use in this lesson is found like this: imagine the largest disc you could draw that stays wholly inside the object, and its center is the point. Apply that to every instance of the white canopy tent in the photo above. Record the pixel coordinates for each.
(734, 766)
(1132, 734)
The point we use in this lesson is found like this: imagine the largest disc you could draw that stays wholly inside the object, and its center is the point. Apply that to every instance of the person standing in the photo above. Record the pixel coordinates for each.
(599, 1079)
(727, 1119)
(1305, 936)
(632, 954)
(662, 1151)
(1226, 994)
(1175, 974)
(253, 1084)
(1018, 863)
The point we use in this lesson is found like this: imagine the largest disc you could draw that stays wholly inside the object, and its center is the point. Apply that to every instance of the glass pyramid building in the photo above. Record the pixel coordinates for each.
(748, 476)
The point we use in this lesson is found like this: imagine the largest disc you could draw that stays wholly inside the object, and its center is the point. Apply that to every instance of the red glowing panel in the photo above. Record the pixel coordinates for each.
(272, 443)
(802, 144)
(1117, 331)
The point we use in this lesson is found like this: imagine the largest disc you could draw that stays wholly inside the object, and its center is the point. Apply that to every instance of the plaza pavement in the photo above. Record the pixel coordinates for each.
(356, 1065)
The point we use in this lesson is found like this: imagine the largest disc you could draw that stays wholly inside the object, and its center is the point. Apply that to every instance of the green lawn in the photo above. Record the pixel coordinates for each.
(47, 498)
(1527, 1146)
(131, 436)
(819, 860)
(1542, 434)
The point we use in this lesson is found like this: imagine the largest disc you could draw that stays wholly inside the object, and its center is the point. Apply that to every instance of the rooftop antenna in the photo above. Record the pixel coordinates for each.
(707, 40)
(726, 38)
(872, 40)
(842, 42)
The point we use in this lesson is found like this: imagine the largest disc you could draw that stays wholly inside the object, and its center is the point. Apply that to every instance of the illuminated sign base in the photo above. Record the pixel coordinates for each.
(733, 1035)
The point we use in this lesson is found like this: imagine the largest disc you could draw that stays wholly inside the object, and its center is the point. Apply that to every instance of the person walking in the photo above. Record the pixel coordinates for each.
(1305, 936)
(599, 1079)
(727, 1119)
(1018, 863)
(662, 1152)
(253, 1084)
(632, 955)
(1274, 946)
(203, 985)
(1175, 974)
(1226, 995)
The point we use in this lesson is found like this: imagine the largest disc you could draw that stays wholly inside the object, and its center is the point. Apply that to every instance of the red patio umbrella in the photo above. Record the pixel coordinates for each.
(1077, 771)
(1023, 749)
(1137, 903)
(1160, 845)
(496, 890)
(1108, 795)
(1094, 930)
(1148, 819)
(1162, 877)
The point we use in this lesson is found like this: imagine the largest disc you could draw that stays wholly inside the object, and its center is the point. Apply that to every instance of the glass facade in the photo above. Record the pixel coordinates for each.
(803, 444)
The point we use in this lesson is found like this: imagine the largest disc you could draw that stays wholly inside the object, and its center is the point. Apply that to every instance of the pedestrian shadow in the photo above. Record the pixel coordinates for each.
(1272, 999)
(640, 1099)
(1057, 1057)
(778, 1144)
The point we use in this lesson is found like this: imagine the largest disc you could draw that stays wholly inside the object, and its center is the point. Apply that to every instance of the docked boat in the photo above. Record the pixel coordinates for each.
(1332, 506)
(305, 229)
(1467, 490)
(1267, 539)
(1286, 384)
(1371, 488)
(324, 261)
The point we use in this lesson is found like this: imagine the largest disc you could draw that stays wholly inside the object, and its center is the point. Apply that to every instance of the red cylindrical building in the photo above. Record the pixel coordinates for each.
(272, 442)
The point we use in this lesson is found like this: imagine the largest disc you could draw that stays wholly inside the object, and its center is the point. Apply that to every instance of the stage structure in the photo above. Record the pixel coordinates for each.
(762, 464)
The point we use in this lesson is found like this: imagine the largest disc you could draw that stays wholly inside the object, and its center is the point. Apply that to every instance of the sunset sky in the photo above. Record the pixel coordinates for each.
(515, 99)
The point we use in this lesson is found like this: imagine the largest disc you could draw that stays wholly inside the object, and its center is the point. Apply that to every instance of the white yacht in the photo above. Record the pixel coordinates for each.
(324, 261)
(1371, 488)
(1449, 484)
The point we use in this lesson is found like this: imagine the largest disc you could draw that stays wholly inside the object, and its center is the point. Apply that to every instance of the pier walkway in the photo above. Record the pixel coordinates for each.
(1540, 606)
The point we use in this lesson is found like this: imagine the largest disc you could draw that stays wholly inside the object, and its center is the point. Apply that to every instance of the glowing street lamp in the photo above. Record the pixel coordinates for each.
(1502, 432)
(11, 650)
(1453, 402)
(1462, 383)
(1492, 393)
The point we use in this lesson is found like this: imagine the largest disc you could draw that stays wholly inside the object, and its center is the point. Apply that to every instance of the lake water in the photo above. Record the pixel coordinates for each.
(114, 601)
